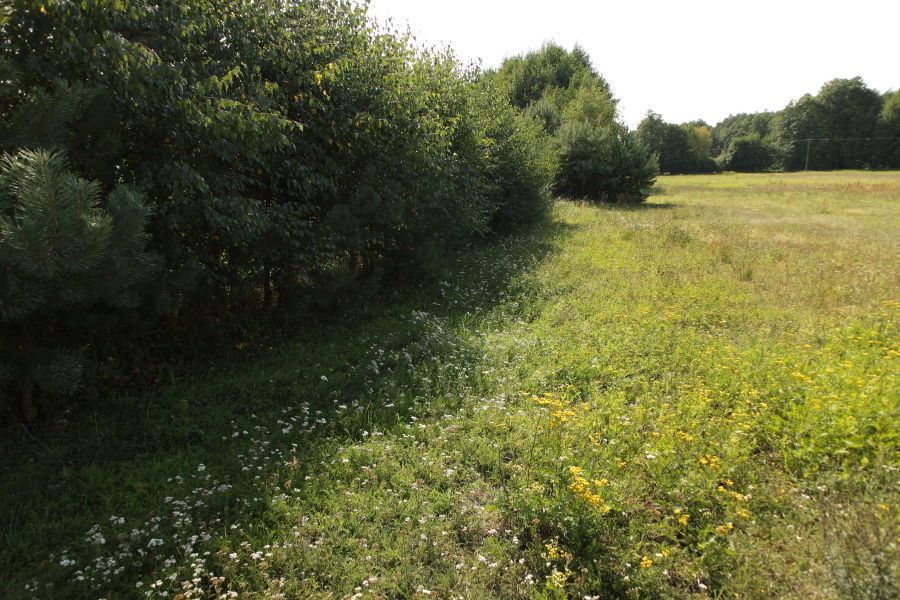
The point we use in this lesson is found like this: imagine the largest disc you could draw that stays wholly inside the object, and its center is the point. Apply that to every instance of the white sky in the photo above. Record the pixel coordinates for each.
(685, 59)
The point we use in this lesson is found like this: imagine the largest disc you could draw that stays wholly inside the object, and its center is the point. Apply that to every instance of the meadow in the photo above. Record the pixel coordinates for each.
(692, 397)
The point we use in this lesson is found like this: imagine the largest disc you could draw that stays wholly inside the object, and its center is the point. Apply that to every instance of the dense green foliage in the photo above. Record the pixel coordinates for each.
(598, 158)
(738, 126)
(842, 117)
(603, 163)
(294, 153)
(889, 131)
(66, 260)
(679, 148)
(847, 125)
(747, 154)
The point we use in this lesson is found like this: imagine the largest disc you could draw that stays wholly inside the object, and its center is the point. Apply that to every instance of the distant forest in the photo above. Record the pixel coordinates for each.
(847, 125)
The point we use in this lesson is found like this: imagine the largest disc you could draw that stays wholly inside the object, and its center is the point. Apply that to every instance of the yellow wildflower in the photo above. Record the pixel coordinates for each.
(646, 562)
(684, 437)
(558, 579)
(711, 460)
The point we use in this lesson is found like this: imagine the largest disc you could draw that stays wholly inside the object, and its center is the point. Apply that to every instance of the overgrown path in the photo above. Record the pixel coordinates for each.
(691, 398)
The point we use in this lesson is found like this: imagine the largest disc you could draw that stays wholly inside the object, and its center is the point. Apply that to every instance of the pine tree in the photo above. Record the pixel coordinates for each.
(61, 252)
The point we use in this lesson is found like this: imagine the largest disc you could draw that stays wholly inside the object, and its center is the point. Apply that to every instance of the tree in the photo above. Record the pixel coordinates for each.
(679, 148)
(603, 164)
(530, 76)
(592, 103)
(747, 154)
(840, 118)
(735, 126)
(63, 254)
(889, 129)
(293, 155)
(699, 140)
(597, 158)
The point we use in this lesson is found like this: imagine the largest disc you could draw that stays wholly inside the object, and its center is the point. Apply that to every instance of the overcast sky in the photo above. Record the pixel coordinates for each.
(687, 59)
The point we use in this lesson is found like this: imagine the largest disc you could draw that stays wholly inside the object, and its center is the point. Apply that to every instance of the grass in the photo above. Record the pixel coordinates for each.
(692, 398)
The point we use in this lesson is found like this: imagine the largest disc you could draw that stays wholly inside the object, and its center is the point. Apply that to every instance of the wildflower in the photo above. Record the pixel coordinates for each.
(558, 579)
(725, 529)
(711, 460)
(552, 551)
(582, 488)
(684, 437)
(646, 562)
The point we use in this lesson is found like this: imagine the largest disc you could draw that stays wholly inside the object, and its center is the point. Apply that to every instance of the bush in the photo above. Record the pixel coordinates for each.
(603, 163)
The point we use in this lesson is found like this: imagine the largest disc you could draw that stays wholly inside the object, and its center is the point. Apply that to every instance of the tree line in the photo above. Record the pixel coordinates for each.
(846, 125)
(174, 171)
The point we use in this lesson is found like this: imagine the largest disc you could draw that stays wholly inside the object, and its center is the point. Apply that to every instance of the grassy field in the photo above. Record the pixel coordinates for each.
(693, 398)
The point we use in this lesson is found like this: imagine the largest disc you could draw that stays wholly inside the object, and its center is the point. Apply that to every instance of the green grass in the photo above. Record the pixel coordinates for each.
(696, 397)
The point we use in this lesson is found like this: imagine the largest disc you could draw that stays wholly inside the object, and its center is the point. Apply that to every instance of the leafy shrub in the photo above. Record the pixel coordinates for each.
(603, 163)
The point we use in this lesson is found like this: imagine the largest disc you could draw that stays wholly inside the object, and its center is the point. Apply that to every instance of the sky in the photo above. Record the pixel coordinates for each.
(688, 59)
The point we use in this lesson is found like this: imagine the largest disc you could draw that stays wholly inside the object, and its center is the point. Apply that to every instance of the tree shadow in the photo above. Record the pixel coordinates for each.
(332, 384)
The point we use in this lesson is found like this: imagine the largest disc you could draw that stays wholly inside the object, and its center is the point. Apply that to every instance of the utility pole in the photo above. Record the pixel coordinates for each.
(808, 142)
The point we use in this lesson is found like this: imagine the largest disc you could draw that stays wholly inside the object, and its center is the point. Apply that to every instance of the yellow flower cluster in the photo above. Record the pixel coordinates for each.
(712, 461)
(560, 413)
(684, 436)
(722, 488)
(586, 490)
(802, 377)
(558, 579)
(725, 529)
(552, 551)
(646, 562)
